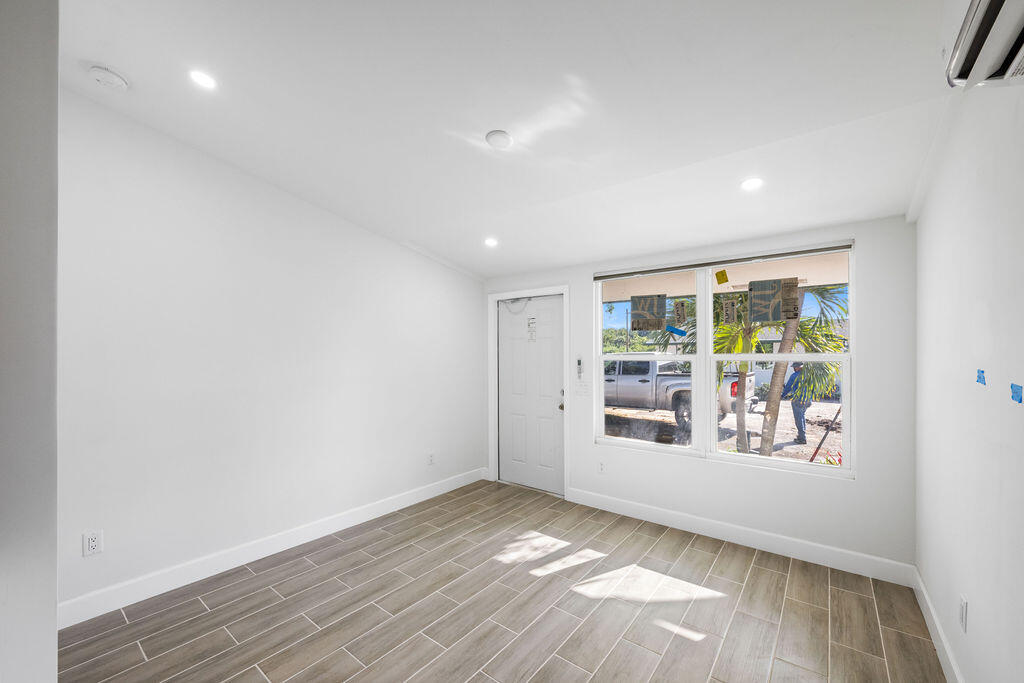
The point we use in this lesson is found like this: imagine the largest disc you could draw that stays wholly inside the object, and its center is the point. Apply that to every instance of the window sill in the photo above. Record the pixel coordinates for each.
(797, 467)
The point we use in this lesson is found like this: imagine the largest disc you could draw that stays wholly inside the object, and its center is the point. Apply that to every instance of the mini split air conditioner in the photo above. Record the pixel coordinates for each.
(990, 47)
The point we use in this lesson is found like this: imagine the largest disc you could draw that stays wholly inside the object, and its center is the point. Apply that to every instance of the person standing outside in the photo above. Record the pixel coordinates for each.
(799, 402)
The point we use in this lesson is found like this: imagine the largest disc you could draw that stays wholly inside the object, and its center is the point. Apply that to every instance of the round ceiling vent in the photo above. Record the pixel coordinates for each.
(108, 78)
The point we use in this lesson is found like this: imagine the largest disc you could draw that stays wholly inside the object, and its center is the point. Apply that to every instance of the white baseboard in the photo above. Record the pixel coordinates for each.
(942, 647)
(118, 595)
(848, 560)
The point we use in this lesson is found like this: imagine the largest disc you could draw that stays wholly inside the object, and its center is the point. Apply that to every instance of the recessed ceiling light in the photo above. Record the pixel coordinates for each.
(752, 184)
(499, 139)
(108, 78)
(203, 79)
(491, 242)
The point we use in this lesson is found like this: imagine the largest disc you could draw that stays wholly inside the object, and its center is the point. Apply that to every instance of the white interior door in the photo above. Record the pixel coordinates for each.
(530, 393)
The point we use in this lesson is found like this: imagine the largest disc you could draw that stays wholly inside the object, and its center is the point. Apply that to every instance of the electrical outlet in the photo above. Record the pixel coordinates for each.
(430, 458)
(963, 613)
(92, 543)
(600, 467)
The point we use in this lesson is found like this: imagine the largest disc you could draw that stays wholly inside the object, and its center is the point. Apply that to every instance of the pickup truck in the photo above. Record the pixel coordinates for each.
(665, 385)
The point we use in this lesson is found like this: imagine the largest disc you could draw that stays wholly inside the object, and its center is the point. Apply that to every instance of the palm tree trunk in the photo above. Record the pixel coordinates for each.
(742, 437)
(742, 440)
(774, 399)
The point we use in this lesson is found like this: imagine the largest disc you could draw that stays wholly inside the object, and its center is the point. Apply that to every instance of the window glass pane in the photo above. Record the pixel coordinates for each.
(798, 304)
(800, 420)
(635, 367)
(649, 406)
(650, 313)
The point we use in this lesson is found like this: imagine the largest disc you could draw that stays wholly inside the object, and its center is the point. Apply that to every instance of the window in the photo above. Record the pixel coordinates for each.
(745, 360)
(633, 367)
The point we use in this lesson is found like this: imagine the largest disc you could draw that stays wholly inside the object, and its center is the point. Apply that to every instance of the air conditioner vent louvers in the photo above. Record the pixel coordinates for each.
(990, 47)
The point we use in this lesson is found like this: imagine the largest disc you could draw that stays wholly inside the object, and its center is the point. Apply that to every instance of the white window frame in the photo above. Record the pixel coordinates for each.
(704, 432)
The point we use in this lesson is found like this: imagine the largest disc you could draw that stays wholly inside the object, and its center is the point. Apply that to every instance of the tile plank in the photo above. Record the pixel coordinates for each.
(282, 611)
(397, 665)
(256, 582)
(532, 602)
(239, 658)
(808, 583)
(353, 599)
(181, 633)
(371, 570)
(308, 548)
(898, 609)
(89, 628)
(318, 645)
(777, 563)
(855, 583)
(104, 666)
(419, 566)
(470, 614)
(414, 591)
(854, 623)
(688, 658)
(463, 659)
(524, 656)
(713, 605)
(803, 636)
(598, 633)
(373, 645)
(348, 546)
(746, 653)
(763, 594)
(626, 662)
(784, 672)
(671, 545)
(178, 659)
(557, 670)
(846, 664)
(733, 562)
(324, 572)
(111, 640)
(911, 659)
(693, 566)
(653, 626)
(158, 603)
(475, 580)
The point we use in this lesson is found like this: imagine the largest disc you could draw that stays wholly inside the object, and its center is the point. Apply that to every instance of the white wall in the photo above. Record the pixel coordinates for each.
(28, 264)
(234, 362)
(970, 483)
(872, 514)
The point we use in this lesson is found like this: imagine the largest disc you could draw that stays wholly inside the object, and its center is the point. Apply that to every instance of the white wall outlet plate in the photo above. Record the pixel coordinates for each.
(430, 458)
(92, 543)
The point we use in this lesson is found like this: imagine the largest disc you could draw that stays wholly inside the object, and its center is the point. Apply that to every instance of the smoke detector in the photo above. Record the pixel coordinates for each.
(108, 78)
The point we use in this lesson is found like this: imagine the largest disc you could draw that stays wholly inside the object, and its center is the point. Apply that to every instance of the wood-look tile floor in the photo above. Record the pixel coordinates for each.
(493, 582)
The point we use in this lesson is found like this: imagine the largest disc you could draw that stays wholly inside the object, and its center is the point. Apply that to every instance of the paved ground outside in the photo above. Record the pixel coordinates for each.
(659, 426)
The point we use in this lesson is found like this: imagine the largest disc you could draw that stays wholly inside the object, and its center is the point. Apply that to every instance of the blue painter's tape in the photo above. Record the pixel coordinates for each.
(1015, 393)
(981, 376)
(675, 330)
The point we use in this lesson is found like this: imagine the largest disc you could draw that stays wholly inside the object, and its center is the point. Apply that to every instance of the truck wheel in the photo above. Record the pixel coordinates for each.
(683, 412)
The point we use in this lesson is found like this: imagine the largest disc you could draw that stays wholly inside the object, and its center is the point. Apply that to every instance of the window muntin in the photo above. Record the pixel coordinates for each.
(715, 351)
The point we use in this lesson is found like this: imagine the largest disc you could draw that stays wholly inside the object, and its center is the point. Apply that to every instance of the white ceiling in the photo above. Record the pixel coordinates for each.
(635, 121)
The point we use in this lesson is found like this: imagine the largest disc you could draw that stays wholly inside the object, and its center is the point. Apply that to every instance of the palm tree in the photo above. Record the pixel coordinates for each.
(818, 334)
